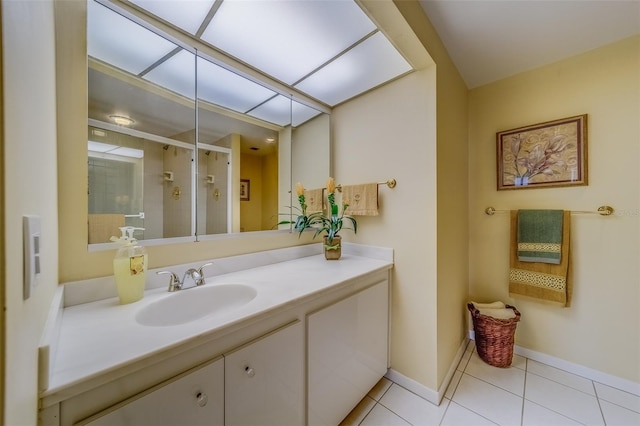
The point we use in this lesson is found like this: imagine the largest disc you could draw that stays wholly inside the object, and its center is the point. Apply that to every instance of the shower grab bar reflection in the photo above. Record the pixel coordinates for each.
(139, 215)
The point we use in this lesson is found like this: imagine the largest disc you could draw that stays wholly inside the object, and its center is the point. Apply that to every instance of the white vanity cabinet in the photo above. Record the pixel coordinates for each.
(304, 351)
(347, 352)
(264, 380)
(194, 398)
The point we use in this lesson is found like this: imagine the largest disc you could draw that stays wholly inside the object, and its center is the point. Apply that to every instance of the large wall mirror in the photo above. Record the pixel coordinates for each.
(180, 144)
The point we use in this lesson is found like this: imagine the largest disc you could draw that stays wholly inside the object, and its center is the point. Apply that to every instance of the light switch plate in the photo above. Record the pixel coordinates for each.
(32, 245)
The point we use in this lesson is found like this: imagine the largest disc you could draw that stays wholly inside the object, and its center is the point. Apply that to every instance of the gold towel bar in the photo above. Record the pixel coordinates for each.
(602, 211)
(391, 183)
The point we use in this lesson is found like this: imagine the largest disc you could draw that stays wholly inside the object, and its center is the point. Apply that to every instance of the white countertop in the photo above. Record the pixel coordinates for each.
(101, 337)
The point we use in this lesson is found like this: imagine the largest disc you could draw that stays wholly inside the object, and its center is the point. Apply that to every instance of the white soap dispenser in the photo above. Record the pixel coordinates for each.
(130, 266)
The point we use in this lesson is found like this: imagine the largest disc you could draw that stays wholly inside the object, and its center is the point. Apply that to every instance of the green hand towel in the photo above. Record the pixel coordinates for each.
(540, 236)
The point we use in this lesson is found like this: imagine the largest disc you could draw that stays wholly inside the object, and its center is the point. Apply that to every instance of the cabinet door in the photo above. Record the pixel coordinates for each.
(195, 398)
(264, 380)
(347, 350)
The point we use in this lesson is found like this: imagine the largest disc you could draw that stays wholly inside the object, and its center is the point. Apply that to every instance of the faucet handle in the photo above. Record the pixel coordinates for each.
(174, 281)
(201, 271)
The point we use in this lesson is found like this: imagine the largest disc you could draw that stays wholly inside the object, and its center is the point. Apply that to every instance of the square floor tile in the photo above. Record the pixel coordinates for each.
(457, 415)
(519, 362)
(561, 376)
(535, 415)
(510, 379)
(380, 416)
(618, 397)
(411, 407)
(618, 416)
(489, 401)
(563, 399)
(355, 417)
(380, 388)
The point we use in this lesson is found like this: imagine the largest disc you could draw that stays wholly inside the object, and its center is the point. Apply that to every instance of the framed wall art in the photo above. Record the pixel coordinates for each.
(548, 154)
(245, 190)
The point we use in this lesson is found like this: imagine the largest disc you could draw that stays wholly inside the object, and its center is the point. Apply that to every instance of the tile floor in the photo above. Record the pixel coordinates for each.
(528, 393)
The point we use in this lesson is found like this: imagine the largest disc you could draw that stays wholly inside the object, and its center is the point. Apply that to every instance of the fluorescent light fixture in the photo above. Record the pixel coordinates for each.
(132, 47)
(287, 39)
(301, 113)
(101, 147)
(121, 120)
(128, 152)
(230, 90)
(369, 64)
(276, 110)
(106, 148)
(178, 74)
(185, 14)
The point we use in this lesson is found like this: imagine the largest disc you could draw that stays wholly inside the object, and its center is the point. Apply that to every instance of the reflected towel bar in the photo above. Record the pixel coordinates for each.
(391, 183)
(602, 211)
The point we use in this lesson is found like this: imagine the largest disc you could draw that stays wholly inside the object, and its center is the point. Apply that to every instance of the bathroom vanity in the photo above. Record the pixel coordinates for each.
(290, 339)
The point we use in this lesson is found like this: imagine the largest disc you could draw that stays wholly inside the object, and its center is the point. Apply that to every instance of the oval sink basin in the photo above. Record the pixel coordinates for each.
(195, 303)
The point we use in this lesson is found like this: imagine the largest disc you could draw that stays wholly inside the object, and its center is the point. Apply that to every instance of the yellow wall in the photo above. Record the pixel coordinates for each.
(452, 194)
(390, 133)
(251, 211)
(414, 130)
(602, 328)
(269, 179)
(310, 151)
(29, 169)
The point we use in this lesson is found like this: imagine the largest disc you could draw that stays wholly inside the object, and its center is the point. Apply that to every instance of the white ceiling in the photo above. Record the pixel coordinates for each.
(492, 39)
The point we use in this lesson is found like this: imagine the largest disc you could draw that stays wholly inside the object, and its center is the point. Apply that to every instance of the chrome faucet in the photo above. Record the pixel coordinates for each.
(197, 275)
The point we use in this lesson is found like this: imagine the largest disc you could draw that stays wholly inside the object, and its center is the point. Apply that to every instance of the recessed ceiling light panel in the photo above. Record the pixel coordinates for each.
(287, 39)
(276, 110)
(369, 64)
(178, 74)
(230, 90)
(185, 14)
(132, 47)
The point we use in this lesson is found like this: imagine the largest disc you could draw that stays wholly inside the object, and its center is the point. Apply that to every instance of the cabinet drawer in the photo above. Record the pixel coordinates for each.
(193, 398)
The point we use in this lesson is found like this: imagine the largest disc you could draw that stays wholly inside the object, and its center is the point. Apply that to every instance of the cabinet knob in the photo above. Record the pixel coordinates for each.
(250, 371)
(201, 399)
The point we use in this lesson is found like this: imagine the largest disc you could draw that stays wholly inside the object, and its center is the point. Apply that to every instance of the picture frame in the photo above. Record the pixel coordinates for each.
(549, 154)
(245, 189)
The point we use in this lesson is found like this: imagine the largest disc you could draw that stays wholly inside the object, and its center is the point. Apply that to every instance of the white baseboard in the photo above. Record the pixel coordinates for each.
(435, 397)
(580, 370)
(413, 386)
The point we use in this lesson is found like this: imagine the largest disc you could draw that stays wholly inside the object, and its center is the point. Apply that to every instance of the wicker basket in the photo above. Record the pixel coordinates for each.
(494, 337)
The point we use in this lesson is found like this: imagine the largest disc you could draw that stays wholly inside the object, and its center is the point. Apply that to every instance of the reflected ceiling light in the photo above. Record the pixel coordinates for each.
(271, 140)
(132, 47)
(101, 147)
(106, 148)
(121, 120)
(276, 110)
